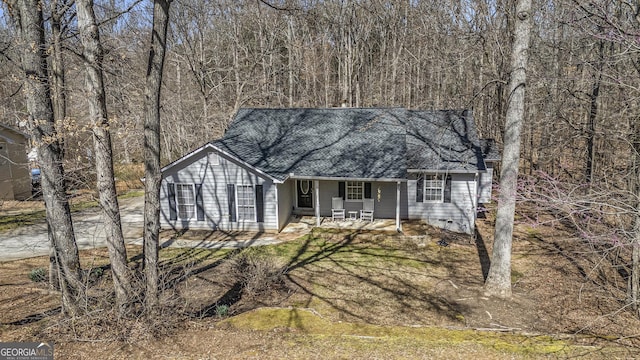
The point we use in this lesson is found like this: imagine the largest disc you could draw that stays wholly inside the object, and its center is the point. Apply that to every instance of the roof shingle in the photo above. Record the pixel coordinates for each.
(357, 143)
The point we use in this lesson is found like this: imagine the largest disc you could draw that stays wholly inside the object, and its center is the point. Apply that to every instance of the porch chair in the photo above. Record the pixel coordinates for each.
(367, 210)
(337, 208)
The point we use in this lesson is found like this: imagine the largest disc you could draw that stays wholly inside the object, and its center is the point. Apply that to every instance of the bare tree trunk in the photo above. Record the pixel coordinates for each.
(593, 113)
(28, 14)
(635, 261)
(92, 56)
(58, 95)
(591, 127)
(547, 161)
(290, 68)
(152, 151)
(634, 286)
(499, 279)
(54, 276)
(58, 98)
(327, 72)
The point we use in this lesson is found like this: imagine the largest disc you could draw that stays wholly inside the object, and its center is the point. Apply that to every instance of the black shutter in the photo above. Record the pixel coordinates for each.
(420, 189)
(341, 189)
(231, 199)
(259, 204)
(199, 202)
(367, 190)
(171, 191)
(447, 189)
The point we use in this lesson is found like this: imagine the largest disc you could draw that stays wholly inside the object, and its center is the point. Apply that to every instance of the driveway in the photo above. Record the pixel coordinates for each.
(30, 241)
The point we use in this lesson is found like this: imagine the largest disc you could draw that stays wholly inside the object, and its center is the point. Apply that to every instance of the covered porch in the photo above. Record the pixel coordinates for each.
(315, 200)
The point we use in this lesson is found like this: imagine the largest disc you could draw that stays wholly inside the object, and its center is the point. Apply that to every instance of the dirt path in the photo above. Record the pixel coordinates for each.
(30, 241)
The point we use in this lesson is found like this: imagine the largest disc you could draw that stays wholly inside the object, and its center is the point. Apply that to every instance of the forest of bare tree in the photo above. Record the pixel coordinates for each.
(223, 55)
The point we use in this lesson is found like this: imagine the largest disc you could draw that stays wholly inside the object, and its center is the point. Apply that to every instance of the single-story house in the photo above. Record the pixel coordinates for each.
(15, 179)
(274, 163)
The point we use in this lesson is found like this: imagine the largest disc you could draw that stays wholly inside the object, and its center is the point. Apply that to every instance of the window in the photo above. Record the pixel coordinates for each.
(186, 201)
(355, 190)
(246, 203)
(433, 188)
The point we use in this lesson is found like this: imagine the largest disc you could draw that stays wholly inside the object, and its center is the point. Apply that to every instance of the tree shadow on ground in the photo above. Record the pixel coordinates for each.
(483, 255)
(36, 317)
(358, 274)
(556, 248)
(390, 277)
(196, 260)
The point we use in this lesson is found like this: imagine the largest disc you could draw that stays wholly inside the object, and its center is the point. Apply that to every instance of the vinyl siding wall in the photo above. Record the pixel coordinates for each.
(459, 215)
(384, 194)
(15, 178)
(201, 169)
(485, 183)
(286, 193)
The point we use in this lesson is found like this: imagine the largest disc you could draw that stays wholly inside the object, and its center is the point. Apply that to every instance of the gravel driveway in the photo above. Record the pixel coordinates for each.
(30, 241)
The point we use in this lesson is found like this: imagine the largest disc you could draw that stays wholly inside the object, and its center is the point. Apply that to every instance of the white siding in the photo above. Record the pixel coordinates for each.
(15, 177)
(383, 193)
(384, 196)
(459, 215)
(485, 183)
(285, 202)
(214, 180)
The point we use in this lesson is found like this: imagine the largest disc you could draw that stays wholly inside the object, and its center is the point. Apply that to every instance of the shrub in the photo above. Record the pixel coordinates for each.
(38, 274)
(222, 310)
(97, 272)
(257, 273)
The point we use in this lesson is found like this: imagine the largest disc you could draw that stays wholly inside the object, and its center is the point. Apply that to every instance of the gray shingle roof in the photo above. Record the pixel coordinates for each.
(375, 143)
(443, 140)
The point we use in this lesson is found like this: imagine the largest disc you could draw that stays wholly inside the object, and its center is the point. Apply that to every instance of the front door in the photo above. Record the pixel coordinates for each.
(305, 193)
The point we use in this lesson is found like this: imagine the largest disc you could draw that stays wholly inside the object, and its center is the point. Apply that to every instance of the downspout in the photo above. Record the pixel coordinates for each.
(277, 208)
(398, 224)
(316, 185)
(476, 197)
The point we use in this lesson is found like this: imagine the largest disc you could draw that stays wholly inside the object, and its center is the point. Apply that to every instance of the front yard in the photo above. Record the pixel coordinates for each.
(336, 293)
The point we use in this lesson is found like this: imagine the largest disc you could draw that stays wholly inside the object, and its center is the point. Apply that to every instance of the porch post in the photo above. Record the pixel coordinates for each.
(398, 225)
(316, 190)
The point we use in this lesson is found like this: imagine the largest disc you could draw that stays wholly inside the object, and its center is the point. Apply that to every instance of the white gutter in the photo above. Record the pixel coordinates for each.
(431, 171)
(331, 178)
